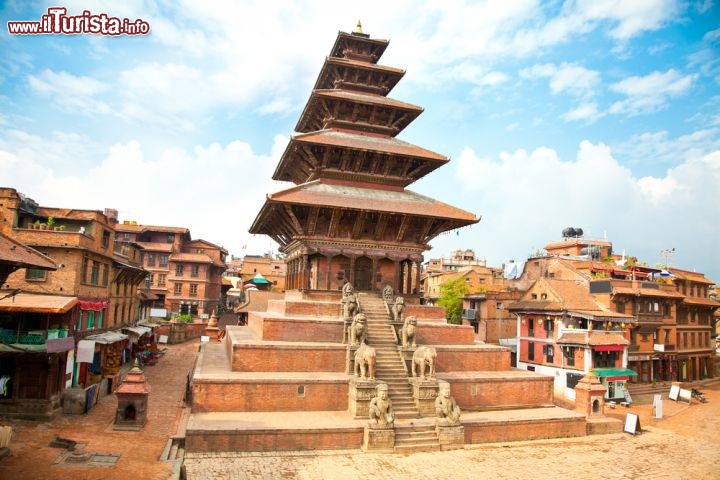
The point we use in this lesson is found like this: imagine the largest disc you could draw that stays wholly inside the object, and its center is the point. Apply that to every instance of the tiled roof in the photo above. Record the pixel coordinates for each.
(19, 255)
(709, 302)
(366, 98)
(121, 227)
(190, 257)
(646, 292)
(323, 193)
(691, 276)
(156, 247)
(368, 142)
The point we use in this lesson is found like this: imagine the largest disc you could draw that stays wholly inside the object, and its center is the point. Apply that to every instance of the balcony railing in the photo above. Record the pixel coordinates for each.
(664, 347)
(31, 337)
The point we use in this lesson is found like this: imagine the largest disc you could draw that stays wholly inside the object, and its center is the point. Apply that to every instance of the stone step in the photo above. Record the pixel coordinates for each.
(412, 448)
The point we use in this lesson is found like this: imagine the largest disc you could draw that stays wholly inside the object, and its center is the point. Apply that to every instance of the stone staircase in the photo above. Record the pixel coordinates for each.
(415, 438)
(389, 367)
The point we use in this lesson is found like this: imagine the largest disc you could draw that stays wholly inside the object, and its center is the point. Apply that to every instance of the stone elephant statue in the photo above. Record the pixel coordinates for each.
(365, 362)
(423, 360)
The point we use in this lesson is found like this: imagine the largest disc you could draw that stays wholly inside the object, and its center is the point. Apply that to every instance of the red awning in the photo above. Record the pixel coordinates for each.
(609, 348)
(95, 305)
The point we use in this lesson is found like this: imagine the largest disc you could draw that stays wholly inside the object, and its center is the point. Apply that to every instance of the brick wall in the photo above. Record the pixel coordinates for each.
(495, 392)
(459, 360)
(295, 329)
(274, 440)
(444, 334)
(530, 430)
(273, 396)
(289, 358)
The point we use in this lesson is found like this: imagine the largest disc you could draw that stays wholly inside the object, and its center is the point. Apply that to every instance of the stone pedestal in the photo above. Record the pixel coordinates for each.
(361, 392)
(451, 437)
(424, 393)
(178, 332)
(379, 438)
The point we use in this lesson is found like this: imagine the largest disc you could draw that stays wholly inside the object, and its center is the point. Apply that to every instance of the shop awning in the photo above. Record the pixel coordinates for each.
(614, 372)
(107, 337)
(29, 302)
(136, 332)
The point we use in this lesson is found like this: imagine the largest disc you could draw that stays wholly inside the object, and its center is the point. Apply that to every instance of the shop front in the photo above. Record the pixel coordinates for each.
(615, 381)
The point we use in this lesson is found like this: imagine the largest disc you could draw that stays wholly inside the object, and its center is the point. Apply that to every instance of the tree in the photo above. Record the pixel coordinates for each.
(451, 294)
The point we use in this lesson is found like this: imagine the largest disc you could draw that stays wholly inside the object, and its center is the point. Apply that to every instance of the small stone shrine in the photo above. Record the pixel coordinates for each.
(132, 396)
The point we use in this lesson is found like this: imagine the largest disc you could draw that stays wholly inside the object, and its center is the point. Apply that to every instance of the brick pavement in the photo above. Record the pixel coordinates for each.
(32, 457)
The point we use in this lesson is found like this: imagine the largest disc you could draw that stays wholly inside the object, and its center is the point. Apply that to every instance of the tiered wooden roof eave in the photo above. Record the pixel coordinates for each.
(389, 75)
(313, 119)
(376, 46)
(277, 217)
(301, 163)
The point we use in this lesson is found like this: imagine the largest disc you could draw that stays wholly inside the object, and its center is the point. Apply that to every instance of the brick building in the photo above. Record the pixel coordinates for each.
(97, 278)
(185, 274)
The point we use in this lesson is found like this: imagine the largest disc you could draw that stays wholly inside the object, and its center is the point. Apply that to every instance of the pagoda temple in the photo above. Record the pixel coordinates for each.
(349, 217)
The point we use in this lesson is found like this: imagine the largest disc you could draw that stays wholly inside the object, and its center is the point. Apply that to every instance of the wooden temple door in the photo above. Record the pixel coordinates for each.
(363, 274)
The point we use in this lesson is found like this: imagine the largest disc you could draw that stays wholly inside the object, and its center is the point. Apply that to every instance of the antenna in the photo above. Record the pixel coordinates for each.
(668, 252)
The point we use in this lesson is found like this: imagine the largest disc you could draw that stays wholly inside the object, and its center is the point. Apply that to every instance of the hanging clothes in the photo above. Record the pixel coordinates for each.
(85, 351)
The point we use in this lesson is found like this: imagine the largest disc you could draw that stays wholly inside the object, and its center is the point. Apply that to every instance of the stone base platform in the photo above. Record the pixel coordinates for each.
(283, 431)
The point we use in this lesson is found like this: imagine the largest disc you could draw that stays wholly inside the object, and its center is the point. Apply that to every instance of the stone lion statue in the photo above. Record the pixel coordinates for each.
(398, 309)
(358, 329)
(365, 362)
(448, 413)
(424, 359)
(408, 331)
(381, 409)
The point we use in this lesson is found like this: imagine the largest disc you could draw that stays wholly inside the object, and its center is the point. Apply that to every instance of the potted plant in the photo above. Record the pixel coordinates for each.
(51, 222)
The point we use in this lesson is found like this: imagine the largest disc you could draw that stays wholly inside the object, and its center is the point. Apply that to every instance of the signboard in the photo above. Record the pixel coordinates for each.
(658, 405)
(158, 312)
(163, 339)
(685, 395)
(674, 392)
(632, 424)
(204, 339)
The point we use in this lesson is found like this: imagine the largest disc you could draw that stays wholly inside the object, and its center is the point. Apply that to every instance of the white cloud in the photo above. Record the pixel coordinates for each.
(71, 92)
(169, 189)
(586, 111)
(650, 92)
(565, 78)
(530, 196)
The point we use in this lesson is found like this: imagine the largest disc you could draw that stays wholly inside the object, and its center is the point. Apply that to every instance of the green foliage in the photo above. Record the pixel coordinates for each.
(186, 317)
(451, 294)
(51, 222)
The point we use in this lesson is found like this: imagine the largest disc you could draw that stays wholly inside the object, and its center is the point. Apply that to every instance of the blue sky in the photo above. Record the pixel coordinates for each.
(597, 114)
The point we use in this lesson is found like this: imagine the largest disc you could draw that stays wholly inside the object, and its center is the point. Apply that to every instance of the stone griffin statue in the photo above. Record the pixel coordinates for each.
(357, 333)
(398, 309)
(408, 331)
(448, 413)
(349, 307)
(381, 409)
(424, 358)
(365, 362)
(388, 293)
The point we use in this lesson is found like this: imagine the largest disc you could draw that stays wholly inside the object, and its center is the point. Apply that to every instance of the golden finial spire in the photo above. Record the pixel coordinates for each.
(359, 27)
